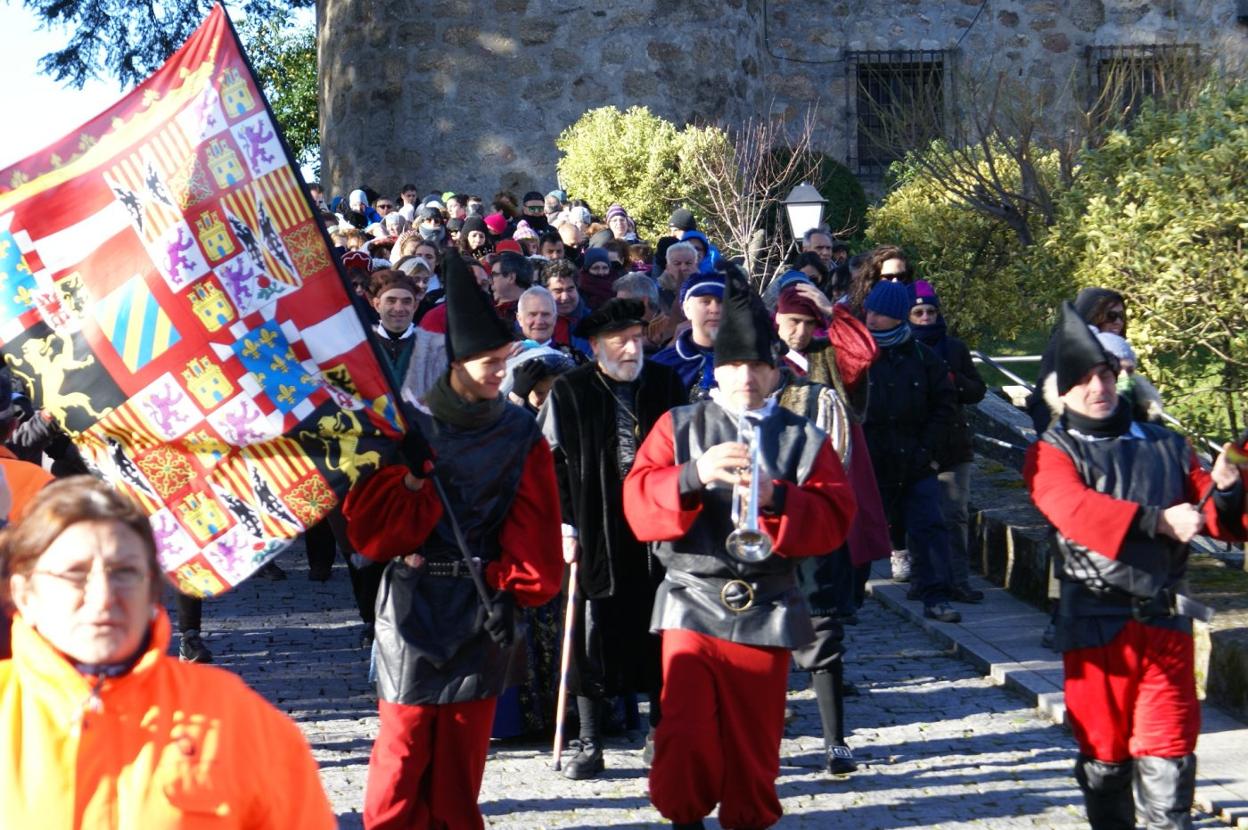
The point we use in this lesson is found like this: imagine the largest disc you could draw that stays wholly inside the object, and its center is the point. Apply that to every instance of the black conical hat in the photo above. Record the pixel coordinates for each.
(472, 324)
(745, 330)
(1076, 351)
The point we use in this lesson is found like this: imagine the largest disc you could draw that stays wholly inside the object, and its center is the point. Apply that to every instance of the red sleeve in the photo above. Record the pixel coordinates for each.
(385, 519)
(652, 501)
(1095, 520)
(531, 564)
(817, 513)
(855, 348)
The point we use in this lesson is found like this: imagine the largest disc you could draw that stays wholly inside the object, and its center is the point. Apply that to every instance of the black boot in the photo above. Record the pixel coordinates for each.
(1106, 793)
(829, 697)
(588, 762)
(1167, 787)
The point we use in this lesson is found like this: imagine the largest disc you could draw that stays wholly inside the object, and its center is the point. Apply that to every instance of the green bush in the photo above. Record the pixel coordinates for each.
(1160, 213)
(630, 157)
(991, 287)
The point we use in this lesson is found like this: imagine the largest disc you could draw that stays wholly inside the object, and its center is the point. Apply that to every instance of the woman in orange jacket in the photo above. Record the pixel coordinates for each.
(104, 730)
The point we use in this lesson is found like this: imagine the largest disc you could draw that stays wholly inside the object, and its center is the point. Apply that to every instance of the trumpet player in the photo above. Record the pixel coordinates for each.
(728, 622)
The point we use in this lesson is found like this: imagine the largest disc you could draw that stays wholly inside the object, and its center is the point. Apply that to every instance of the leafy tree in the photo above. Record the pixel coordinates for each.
(991, 285)
(630, 157)
(1160, 214)
(129, 39)
(284, 58)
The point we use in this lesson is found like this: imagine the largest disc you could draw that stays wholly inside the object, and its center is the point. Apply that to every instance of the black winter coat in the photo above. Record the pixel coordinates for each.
(959, 445)
(910, 412)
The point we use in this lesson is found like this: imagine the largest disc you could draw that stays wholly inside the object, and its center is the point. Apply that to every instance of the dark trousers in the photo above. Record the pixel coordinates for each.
(920, 515)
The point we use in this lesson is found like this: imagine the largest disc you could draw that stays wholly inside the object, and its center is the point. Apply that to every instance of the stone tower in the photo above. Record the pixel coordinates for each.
(469, 94)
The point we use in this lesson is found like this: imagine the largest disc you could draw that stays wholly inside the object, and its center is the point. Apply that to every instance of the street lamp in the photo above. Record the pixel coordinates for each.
(804, 208)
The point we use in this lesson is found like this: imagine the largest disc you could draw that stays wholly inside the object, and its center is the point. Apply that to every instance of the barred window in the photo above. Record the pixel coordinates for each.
(898, 100)
(1123, 77)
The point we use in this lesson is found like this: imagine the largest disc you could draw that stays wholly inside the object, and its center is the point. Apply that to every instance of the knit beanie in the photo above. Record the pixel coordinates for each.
(892, 299)
(924, 294)
(616, 210)
(682, 219)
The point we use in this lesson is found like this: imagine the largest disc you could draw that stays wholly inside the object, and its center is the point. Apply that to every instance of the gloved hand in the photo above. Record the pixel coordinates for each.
(417, 453)
(527, 375)
(499, 618)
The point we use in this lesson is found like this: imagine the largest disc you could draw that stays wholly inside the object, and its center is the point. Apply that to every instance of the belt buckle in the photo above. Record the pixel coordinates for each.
(737, 596)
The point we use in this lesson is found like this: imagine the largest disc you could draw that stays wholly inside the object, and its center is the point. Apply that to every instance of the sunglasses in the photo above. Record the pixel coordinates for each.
(1115, 317)
(534, 208)
(384, 206)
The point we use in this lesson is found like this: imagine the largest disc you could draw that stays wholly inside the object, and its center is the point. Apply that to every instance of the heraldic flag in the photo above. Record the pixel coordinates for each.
(167, 294)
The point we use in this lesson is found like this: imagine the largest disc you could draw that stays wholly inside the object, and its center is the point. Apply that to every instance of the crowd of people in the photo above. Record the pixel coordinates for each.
(622, 450)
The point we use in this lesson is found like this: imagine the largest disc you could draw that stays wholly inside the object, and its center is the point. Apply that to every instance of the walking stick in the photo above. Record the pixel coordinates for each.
(565, 659)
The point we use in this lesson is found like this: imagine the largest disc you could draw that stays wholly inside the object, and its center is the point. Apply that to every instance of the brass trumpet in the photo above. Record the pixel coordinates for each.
(748, 543)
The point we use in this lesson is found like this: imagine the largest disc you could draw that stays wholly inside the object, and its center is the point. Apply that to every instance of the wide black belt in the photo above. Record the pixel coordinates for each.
(1162, 605)
(738, 594)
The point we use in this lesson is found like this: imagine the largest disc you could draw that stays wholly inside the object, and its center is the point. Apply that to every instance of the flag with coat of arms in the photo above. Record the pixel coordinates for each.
(167, 294)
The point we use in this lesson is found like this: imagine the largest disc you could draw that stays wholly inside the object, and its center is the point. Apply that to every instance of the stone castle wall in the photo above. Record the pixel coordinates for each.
(472, 96)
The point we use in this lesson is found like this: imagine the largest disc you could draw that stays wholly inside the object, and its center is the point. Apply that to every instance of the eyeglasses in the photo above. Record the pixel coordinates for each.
(384, 206)
(121, 578)
(924, 311)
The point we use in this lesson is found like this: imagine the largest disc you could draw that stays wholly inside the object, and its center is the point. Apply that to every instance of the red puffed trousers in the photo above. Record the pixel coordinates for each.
(719, 740)
(1135, 696)
(426, 767)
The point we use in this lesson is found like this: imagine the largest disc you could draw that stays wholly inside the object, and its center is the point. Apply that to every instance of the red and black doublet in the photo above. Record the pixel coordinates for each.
(727, 626)
(1124, 624)
(438, 671)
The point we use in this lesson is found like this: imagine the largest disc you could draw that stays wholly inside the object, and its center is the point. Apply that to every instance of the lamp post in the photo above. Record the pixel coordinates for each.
(804, 209)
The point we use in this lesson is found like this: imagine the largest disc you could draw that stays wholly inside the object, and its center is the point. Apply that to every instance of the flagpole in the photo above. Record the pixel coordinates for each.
(357, 302)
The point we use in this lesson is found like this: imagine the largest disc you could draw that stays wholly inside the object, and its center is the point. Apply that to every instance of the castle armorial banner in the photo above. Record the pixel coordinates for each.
(168, 297)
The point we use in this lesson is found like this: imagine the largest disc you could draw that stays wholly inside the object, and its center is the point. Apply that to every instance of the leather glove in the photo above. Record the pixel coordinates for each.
(527, 375)
(417, 453)
(499, 618)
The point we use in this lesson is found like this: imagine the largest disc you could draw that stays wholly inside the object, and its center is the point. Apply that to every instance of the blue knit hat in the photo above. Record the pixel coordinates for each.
(892, 299)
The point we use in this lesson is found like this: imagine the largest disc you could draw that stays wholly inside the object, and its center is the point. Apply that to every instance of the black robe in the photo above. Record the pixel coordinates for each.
(613, 650)
(591, 490)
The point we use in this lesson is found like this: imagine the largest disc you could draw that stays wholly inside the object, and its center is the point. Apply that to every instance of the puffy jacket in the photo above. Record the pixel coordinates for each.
(167, 745)
(911, 409)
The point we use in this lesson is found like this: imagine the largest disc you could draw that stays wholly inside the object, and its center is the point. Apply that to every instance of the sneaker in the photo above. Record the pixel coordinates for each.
(271, 572)
(967, 594)
(901, 565)
(647, 754)
(585, 764)
(191, 649)
(942, 612)
(841, 760)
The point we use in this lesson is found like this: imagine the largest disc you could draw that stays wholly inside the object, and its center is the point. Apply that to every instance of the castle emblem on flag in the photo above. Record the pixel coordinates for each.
(235, 95)
(214, 236)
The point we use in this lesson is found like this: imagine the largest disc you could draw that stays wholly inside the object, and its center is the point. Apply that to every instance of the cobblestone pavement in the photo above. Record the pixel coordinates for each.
(939, 745)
